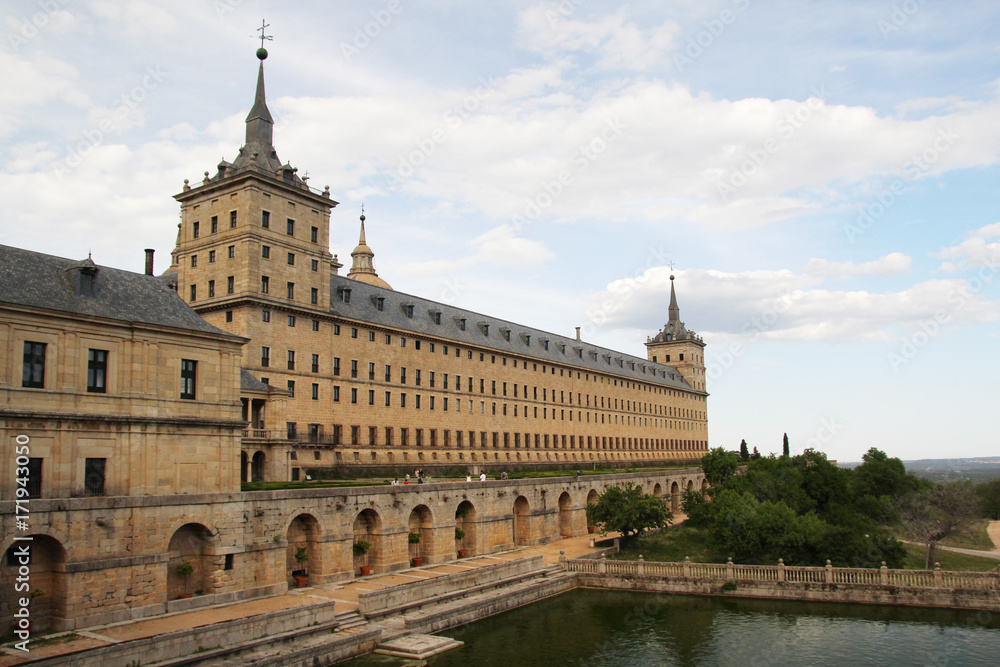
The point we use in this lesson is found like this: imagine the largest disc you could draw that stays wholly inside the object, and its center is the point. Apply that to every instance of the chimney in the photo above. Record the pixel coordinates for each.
(578, 334)
(149, 261)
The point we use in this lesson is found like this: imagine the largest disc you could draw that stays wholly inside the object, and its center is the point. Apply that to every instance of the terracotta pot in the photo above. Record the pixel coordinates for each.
(301, 581)
(591, 529)
(462, 553)
(366, 570)
(416, 561)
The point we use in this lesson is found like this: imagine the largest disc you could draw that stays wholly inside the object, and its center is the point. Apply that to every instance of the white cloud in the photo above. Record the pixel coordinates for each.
(500, 246)
(886, 267)
(974, 251)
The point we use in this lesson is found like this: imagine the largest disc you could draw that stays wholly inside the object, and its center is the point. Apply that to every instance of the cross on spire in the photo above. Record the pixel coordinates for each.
(262, 37)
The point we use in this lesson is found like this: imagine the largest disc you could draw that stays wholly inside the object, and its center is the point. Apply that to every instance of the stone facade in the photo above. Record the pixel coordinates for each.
(103, 560)
(379, 378)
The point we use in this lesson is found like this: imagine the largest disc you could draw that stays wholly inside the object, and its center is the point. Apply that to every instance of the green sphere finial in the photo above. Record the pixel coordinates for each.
(262, 53)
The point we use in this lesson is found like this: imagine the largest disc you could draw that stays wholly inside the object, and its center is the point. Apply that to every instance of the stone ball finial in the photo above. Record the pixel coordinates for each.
(262, 54)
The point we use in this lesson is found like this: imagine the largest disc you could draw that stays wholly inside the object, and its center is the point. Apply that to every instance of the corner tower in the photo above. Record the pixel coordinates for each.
(254, 237)
(675, 346)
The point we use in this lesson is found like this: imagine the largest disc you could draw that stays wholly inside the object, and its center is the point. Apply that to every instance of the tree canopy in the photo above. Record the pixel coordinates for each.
(629, 511)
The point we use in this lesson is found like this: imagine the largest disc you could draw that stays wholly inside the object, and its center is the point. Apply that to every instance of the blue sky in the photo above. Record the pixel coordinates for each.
(821, 175)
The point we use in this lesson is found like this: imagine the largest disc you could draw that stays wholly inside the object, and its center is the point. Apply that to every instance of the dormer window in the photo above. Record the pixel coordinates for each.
(379, 304)
(461, 324)
(506, 335)
(409, 310)
(88, 282)
(345, 295)
(485, 328)
(526, 338)
(436, 316)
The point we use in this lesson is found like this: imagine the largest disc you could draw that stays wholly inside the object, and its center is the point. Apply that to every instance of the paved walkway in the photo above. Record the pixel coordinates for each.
(345, 593)
(994, 531)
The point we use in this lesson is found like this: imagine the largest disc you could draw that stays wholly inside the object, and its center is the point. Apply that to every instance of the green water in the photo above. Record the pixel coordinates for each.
(614, 628)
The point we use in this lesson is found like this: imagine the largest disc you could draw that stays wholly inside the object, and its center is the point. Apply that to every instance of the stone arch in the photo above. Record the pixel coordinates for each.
(565, 516)
(522, 521)
(421, 522)
(657, 490)
(302, 533)
(244, 467)
(46, 567)
(704, 488)
(191, 543)
(465, 519)
(257, 466)
(690, 485)
(368, 528)
(675, 497)
(592, 497)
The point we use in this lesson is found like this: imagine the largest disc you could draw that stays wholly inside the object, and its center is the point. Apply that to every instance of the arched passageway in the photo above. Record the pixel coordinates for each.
(257, 467)
(565, 516)
(367, 530)
(191, 544)
(675, 497)
(521, 523)
(302, 533)
(421, 522)
(465, 521)
(45, 560)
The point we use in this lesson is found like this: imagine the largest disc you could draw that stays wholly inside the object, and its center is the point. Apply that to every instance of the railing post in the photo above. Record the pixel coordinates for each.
(602, 565)
(937, 575)
(641, 568)
(687, 567)
(883, 575)
(829, 572)
(562, 558)
(781, 569)
(729, 569)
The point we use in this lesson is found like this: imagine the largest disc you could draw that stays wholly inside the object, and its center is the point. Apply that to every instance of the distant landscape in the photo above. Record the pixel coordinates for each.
(981, 469)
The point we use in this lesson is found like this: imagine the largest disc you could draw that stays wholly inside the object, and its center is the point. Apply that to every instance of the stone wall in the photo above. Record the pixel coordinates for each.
(112, 559)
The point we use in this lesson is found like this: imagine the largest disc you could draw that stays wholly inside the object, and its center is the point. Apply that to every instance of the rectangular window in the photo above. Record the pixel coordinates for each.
(354, 395)
(290, 290)
(336, 396)
(265, 251)
(314, 265)
(33, 373)
(354, 368)
(388, 370)
(371, 336)
(315, 325)
(194, 292)
(402, 400)
(291, 320)
(430, 379)
(336, 329)
(211, 257)
(211, 288)
(314, 295)
(291, 259)
(290, 227)
(265, 316)
(265, 219)
(371, 397)
(371, 370)
(97, 371)
(34, 478)
(232, 251)
(336, 365)
(230, 284)
(315, 392)
(265, 357)
(402, 375)
(229, 316)
(215, 224)
(290, 430)
(388, 398)
(189, 374)
(232, 219)
(416, 380)
(315, 363)
(291, 360)
(265, 284)
(291, 388)
(195, 227)
(93, 477)
(314, 235)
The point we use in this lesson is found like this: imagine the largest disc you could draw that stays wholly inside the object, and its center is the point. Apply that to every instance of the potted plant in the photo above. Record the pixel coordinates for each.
(414, 540)
(361, 549)
(185, 569)
(301, 576)
(459, 536)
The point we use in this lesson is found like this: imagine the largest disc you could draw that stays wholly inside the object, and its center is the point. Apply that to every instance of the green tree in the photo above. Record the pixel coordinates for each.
(989, 499)
(784, 446)
(744, 452)
(719, 465)
(629, 511)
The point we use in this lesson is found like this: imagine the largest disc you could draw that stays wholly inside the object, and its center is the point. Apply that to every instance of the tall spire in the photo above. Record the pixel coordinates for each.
(675, 312)
(363, 262)
(260, 125)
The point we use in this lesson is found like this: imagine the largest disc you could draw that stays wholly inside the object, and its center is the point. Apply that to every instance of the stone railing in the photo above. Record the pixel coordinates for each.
(781, 573)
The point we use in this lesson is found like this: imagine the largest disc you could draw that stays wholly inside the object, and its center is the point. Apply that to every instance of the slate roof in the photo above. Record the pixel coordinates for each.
(38, 280)
(524, 341)
(249, 383)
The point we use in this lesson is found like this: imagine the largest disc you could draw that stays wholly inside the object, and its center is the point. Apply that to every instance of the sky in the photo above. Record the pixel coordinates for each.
(819, 177)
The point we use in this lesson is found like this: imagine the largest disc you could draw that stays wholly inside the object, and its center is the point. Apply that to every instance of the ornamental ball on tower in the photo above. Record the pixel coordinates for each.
(262, 53)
